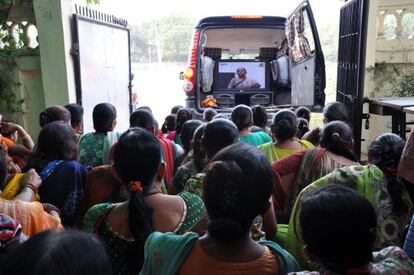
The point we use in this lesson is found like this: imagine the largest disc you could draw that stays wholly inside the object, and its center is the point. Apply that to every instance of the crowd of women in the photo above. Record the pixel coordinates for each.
(220, 195)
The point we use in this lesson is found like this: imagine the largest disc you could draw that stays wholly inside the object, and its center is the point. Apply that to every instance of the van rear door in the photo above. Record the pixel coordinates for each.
(308, 64)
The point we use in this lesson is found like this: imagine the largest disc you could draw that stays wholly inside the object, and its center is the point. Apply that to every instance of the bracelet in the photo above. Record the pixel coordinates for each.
(31, 186)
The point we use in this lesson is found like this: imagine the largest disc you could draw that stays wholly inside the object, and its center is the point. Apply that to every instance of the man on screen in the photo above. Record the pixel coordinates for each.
(242, 82)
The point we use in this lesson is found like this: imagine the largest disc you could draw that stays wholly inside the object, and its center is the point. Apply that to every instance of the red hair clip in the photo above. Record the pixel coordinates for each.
(135, 187)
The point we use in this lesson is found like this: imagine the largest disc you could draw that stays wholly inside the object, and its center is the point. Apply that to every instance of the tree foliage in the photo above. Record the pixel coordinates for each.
(163, 39)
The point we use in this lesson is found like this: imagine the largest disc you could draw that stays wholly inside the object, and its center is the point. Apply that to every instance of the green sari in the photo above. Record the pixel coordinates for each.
(369, 181)
(165, 253)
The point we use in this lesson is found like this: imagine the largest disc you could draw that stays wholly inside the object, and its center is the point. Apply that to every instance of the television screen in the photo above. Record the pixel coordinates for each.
(241, 75)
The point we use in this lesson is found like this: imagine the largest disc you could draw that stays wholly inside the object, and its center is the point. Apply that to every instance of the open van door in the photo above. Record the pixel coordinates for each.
(307, 60)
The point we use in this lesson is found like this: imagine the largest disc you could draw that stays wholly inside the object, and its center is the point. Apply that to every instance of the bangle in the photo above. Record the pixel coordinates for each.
(31, 186)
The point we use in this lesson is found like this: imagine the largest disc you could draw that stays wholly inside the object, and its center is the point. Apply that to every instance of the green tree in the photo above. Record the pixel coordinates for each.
(163, 39)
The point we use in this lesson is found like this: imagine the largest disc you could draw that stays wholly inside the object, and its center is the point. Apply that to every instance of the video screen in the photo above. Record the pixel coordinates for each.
(241, 75)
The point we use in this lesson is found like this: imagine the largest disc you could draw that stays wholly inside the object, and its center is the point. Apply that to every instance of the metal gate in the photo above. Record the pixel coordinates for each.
(351, 62)
(101, 51)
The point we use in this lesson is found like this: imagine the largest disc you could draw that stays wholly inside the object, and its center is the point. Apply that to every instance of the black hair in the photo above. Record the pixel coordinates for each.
(303, 127)
(199, 154)
(169, 123)
(237, 187)
(58, 252)
(183, 115)
(338, 227)
(284, 125)
(56, 141)
(336, 111)
(187, 133)
(142, 118)
(303, 112)
(103, 116)
(242, 116)
(145, 108)
(209, 114)
(76, 114)
(175, 109)
(336, 137)
(218, 134)
(385, 152)
(259, 116)
(54, 113)
(137, 157)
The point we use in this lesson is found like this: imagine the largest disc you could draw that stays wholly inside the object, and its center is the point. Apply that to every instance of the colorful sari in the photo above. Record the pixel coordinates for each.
(160, 260)
(94, 148)
(96, 221)
(62, 186)
(294, 173)
(30, 215)
(369, 181)
(13, 188)
(274, 153)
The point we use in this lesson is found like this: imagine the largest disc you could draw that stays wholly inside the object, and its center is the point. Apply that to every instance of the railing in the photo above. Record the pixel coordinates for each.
(395, 32)
(19, 37)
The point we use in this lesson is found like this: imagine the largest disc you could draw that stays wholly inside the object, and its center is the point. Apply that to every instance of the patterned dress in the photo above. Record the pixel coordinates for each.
(118, 245)
(94, 148)
(390, 260)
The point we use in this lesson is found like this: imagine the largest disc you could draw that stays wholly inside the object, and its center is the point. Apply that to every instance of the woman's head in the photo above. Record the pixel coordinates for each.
(58, 252)
(237, 188)
(303, 112)
(218, 134)
(54, 113)
(76, 116)
(183, 115)
(284, 125)
(303, 127)
(259, 116)
(137, 156)
(175, 109)
(169, 123)
(142, 118)
(209, 114)
(338, 227)
(242, 117)
(336, 137)
(187, 132)
(56, 141)
(104, 117)
(335, 111)
(385, 152)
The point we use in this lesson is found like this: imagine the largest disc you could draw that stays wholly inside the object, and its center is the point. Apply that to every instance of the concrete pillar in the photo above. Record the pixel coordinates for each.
(54, 27)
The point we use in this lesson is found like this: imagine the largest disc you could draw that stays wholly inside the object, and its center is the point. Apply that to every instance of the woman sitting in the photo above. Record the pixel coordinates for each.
(237, 188)
(124, 227)
(297, 171)
(284, 128)
(94, 147)
(339, 231)
(242, 116)
(387, 195)
(62, 176)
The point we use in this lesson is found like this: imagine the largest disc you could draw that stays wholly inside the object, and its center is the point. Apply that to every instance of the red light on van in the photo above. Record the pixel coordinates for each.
(189, 73)
(247, 17)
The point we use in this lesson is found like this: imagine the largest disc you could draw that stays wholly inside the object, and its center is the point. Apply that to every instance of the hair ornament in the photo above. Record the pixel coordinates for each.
(135, 187)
